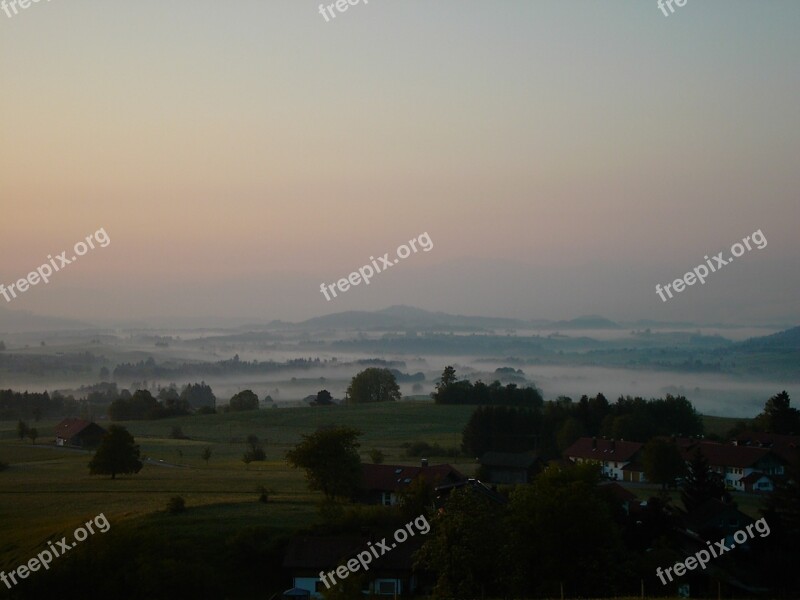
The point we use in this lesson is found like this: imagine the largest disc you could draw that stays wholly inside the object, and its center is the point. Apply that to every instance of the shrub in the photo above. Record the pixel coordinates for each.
(425, 449)
(176, 505)
(177, 433)
(255, 451)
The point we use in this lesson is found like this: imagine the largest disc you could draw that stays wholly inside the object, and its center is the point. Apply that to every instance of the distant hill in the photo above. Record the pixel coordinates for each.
(587, 322)
(781, 341)
(407, 317)
(410, 318)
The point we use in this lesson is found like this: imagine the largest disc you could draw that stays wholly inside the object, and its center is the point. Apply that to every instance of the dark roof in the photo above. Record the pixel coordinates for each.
(753, 477)
(617, 491)
(397, 477)
(519, 460)
(69, 428)
(326, 553)
(605, 449)
(634, 466)
(785, 446)
(725, 455)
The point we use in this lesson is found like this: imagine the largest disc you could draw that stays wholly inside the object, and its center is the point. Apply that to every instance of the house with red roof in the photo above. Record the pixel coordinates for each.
(383, 484)
(613, 456)
(786, 447)
(79, 433)
(740, 467)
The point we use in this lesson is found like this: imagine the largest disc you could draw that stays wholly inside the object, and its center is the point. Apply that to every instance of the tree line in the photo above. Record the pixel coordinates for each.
(552, 427)
(449, 390)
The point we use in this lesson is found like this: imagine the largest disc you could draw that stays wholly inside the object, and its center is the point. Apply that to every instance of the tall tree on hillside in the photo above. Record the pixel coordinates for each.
(324, 398)
(501, 429)
(255, 451)
(118, 453)
(331, 461)
(245, 400)
(199, 395)
(662, 462)
(701, 483)
(779, 416)
(22, 429)
(448, 378)
(561, 533)
(464, 548)
(373, 385)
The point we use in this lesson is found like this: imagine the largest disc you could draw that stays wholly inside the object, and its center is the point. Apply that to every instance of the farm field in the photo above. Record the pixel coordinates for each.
(47, 492)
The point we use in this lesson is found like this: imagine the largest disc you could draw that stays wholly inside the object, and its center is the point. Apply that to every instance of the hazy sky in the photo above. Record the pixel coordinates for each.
(564, 156)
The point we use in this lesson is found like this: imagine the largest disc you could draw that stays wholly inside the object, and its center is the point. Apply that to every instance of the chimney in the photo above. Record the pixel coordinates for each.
(424, 462)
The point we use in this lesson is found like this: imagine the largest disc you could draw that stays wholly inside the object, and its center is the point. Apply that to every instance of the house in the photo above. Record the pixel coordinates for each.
(787, 447)
(389, 575)
(734, 463)
(759, 483)
(384, 484)
(634, 472)
(79, 433)
(509, 468)
(612, 455)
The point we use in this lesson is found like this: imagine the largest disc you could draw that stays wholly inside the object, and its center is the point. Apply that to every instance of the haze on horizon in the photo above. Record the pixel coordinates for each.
(563, 157)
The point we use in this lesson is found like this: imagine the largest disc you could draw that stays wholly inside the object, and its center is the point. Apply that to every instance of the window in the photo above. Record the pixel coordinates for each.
(387, 587)
(387, 498)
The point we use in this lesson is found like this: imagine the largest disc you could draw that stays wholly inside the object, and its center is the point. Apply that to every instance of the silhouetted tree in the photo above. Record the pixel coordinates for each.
(324, 398)
(373, 385)
(778, 416)
(331, 461)
(245, 400)
(701, 483)
(255, 451)
(118, 453)
(662, 462)
(199, 395)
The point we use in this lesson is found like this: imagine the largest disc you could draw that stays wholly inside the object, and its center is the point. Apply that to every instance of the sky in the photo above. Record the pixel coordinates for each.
(563, 156)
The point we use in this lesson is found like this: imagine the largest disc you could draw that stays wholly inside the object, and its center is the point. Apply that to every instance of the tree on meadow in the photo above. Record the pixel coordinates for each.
(118, 453)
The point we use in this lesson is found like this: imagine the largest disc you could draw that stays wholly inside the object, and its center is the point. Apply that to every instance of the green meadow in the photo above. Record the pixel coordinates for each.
(47, 492)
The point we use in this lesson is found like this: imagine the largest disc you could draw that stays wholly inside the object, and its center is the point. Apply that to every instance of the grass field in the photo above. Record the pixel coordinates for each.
(48, 492)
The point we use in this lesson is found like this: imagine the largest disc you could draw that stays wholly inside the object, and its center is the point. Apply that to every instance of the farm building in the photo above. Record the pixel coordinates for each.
(79, 433)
